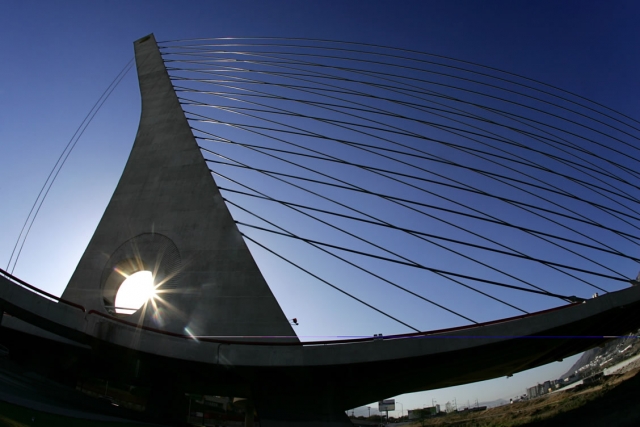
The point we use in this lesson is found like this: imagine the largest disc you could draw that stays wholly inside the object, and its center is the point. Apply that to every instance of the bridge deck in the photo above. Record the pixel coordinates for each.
(352, 372)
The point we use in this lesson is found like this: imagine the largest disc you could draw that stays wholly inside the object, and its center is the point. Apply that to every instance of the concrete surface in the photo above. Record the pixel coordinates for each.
(30, 390)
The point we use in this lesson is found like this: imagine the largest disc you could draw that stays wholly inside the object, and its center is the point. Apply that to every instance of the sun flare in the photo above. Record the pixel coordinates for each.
(136, 290)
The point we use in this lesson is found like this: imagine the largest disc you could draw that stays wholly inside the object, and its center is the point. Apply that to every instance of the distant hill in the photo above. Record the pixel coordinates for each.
(586, 358)
(610, 348)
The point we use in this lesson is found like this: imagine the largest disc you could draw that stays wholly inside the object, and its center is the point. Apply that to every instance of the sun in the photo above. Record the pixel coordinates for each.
(136, 290)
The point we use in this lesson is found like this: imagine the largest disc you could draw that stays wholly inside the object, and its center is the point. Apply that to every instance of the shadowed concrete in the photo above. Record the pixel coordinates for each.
(167, 215)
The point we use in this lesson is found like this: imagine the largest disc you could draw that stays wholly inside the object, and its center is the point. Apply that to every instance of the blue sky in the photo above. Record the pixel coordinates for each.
(59, 58)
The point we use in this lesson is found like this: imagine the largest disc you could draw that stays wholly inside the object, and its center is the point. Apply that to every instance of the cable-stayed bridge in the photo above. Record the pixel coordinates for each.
(499, 179)
(476, 212)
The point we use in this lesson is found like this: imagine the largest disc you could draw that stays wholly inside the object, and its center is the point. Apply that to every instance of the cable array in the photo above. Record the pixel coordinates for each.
(395, 177)
(57, 167)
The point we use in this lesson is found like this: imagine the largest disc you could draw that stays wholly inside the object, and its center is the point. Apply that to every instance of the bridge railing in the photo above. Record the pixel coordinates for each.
(32, 288)
(250, 341)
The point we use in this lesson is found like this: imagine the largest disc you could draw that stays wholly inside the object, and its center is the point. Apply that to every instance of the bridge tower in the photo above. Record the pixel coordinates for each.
(167, 216)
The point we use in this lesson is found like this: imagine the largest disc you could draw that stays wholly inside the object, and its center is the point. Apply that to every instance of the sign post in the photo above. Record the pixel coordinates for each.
(387, 405)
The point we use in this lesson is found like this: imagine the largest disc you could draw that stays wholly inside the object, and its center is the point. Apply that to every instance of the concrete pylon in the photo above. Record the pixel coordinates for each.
(167, 216)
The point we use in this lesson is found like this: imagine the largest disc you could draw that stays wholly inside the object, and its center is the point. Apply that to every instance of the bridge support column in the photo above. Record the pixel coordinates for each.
(249, 414)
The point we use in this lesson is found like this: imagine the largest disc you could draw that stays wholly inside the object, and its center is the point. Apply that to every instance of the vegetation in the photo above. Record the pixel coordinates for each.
(611, 402)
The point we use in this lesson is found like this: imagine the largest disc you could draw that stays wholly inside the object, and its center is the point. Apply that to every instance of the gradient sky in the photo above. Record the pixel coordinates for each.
(58, 58)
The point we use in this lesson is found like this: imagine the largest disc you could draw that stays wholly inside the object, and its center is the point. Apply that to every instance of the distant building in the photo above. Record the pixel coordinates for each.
(535, 391)
(540, 389)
